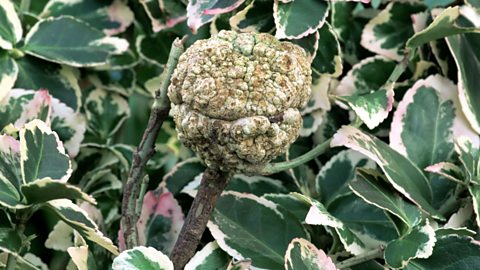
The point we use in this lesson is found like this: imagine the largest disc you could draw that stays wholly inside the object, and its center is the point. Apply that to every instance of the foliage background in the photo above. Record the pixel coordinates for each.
(406, 72)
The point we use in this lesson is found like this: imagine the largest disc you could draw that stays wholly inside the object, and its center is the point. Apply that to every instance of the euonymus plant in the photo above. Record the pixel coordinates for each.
(304, 134)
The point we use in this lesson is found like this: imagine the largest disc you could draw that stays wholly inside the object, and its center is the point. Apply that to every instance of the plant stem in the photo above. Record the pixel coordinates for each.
(281, 166)
(365, 257)
(22, 218)
(146, 149)
(24, 6)
(212, 185)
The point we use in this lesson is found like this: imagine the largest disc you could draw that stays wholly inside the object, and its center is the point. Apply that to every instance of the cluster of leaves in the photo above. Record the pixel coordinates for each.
(400, 186)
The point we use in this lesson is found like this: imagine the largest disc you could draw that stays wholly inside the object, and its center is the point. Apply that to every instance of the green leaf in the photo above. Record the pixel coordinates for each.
(142, 258)
(387, 33)
(364, 89)
(401, 173)
(183, 173)
(469, 155)
(78, 219)
(42, 154)
(288, 203)
(120, 81)
(106, 112)
(112, 17)
(8, 74)
(10, 173)
(60, 81)
(21, 263)
(418, 243)
(425, 124)
(473, 3)
(210, 257)
(333, 178)
(155, 48)
(318, 215)
(474, 191)
(444, 25)
(302, 254)
(246, 226)
(164, 14)
(448, 170)
(9, 239)
(311, 122)
(47, 189)
(296, 19)
(200, 12)
(328, 57)
(467, 58)
(450, 253)
(13, 106)
(10, 26)
(255, 17)
(74, 43)
(370, 186)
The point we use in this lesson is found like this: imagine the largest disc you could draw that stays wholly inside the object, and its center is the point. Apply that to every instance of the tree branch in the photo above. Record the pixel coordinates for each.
(212, 185)
(146, 149)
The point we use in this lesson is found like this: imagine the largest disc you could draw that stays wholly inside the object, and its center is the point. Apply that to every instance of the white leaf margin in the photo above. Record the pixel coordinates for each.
(15, 23)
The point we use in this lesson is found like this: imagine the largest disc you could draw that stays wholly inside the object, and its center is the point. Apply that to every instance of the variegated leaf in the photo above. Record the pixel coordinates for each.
(241, 226)
(82, 257)
(75, 43)
(301, 254)
(333, 178)
(21, 262)
(46, 189)
(78, 219)
(318, 215)
(182, 173)
(311, 122)
(448, 170)
(473, 3)
(60, 81)
(461, 251)
(112, 17)
(10, 26)
(370, 186)
(297, 19)
(469, 155)
(155, 48)
(10, 173)
(42, 154)
(418, 243)
(444, 25)
(401, 173)
(474, 191)
(319, 98)
(200, 12)
(164, 13)
(310, 44)
(8, 73)
(255, 17)
(387, 33)
(364, 89)
(160, 221)
(106, 112)
(328, 57)
(467, 58)
(425, 123)
(142, 258)
(210, 257)
(60, 237)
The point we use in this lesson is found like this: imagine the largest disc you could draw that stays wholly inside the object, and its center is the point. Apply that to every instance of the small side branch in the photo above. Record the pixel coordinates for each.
(365, 257)
(212, 185)
(146, 149)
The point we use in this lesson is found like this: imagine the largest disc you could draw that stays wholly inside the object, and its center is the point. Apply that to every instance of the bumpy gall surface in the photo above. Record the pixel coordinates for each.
(236, 99)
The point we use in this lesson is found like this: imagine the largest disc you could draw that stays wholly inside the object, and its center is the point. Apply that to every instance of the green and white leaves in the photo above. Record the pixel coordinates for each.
(328, 57)
(200, 12)
(8, 74)
(210, 257)
(66, 46)
(302, 254)
(42, 154)
(418, 243)
(10, 26)
(444, 25)
(142, 258)
(427, 120)
(401, 172)
(364, 89)
(297, 19)
(10, 174)
(78, 219)
(246, 226)
(387, 33)
(467, 57)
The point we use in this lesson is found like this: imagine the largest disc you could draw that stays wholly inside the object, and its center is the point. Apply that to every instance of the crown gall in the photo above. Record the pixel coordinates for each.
(236, 99)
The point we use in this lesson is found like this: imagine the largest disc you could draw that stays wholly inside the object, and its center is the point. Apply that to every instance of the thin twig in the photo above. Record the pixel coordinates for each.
(146, 148)
(212, 185)
(364, 257)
